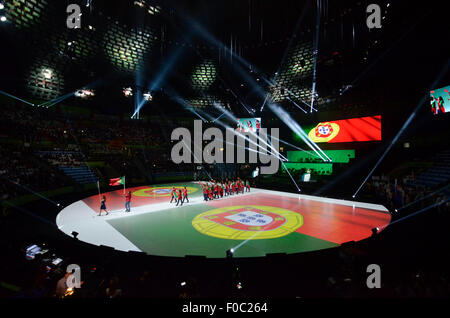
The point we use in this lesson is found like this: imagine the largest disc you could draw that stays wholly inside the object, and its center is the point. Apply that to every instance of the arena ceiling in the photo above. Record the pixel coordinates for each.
(226, 52)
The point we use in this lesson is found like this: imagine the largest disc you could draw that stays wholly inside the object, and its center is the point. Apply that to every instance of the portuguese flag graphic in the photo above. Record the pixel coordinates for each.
(117, 181)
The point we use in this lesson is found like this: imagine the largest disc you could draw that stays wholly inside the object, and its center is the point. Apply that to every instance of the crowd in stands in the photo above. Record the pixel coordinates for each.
(398, 195)
(29, 134)
(20, 169)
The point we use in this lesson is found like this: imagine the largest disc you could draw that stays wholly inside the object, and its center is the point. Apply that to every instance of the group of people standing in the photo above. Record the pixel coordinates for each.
(216, 190)
(211, 190)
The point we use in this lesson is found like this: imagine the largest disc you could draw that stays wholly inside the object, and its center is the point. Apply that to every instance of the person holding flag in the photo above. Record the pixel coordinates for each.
(127, 201)
(174, 194)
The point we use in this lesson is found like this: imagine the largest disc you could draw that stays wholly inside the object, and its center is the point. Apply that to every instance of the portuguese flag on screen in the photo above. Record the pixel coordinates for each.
(117, 181)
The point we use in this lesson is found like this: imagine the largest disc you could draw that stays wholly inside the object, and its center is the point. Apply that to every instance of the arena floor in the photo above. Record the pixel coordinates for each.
(254, 224)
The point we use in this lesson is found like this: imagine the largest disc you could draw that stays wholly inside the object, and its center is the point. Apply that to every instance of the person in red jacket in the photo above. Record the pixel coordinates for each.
(127, 201)
(221, 190)
(174, 194)
(180, 197)
(205, 192)
(185, 193)
(210, 193)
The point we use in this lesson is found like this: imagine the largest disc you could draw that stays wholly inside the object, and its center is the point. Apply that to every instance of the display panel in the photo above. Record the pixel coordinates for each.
(347, 130)
(248, 124)
(440, 100)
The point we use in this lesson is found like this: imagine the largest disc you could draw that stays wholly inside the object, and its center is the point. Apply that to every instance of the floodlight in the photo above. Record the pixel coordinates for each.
(48, 74)
(148, 96)
(128, 91)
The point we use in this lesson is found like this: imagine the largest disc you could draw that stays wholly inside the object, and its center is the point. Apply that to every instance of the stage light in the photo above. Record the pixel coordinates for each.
(183, 284)
(3, 18)
(69, 292)
(2, 6)
(84, 93)
(48, 74)
(128, 91)
(139, 3)
(153, 10)
(148, 96)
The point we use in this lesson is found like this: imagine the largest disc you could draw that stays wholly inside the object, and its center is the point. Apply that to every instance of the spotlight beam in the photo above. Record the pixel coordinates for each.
(425, 197)
(316, 53)
(246, 138)
(197, 159)
(16, 98)
(218, 117)
(298, 148)
(292, 94)
(294, 126)
(64, 97)
(417, 212)
(259, 232)
(403, 128)
(287, 170)
(162, 73)
(58, 100)
(208, 116)
(31, 191)
(25, 211)
(297, 105)
(283, 59)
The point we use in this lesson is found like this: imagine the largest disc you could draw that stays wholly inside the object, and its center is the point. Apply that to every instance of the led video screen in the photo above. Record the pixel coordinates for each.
(440, 100)
(347, 130)
(248, 124)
